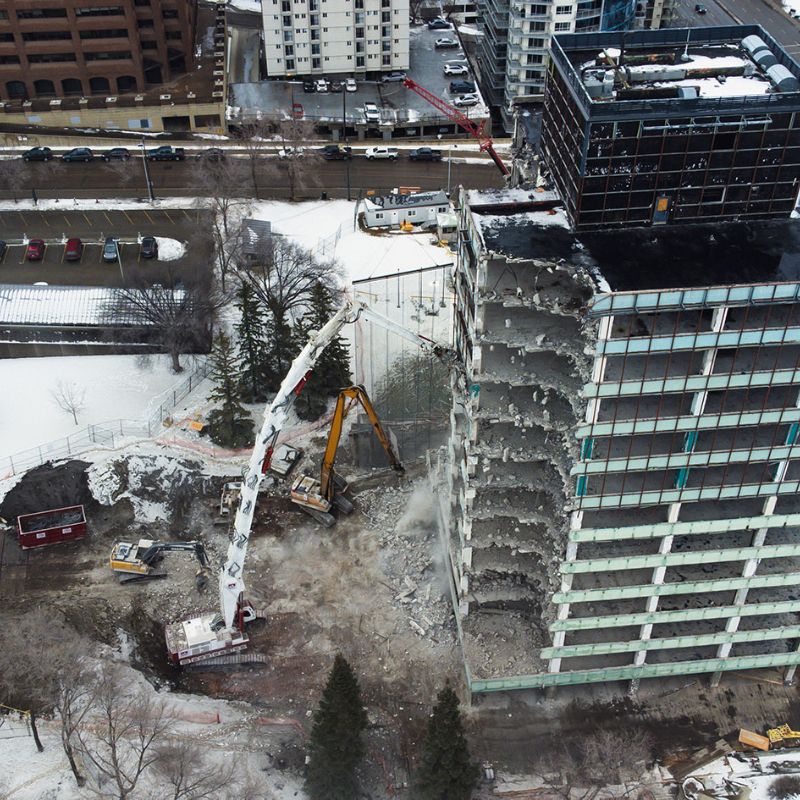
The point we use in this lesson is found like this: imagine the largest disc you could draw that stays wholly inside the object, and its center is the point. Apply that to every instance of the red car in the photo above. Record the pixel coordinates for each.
(35, 250)
(73, 250)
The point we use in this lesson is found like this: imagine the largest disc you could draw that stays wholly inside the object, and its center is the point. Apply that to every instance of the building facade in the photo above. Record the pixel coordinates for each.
(335, 37)
(88, 47)
(694, 126)
(513, 55)
(623, 463)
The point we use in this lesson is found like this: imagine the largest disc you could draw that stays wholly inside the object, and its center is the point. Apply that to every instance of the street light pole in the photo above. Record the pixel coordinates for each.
(146, 173)
(344, 136)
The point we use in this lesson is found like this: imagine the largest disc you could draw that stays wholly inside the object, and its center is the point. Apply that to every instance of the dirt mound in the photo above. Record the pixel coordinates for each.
(48, 486)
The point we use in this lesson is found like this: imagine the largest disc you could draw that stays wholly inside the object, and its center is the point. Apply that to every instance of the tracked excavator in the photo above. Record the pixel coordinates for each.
(319, 497)
(140, 562)
(219, 637)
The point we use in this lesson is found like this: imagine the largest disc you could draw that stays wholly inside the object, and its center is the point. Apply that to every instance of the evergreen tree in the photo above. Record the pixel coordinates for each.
(281, 348)
(253, 351)
(230, 424)
(446, 771)
(332, 371)
(335, 746)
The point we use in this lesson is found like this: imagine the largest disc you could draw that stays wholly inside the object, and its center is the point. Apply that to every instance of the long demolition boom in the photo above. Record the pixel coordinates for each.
(231, 580)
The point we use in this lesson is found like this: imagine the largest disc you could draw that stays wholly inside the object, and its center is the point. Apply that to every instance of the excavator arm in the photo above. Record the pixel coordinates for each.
(150, 555)
(347, 398)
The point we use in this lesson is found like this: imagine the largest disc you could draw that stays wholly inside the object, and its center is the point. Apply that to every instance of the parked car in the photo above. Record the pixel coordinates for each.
(462, 87)
(336, 86)
(425, 154)
(309, 87)
(212, 154)
(438, 24)
(291, 152)
(166, 153)
(3, 248)
(117, 154)
(332, 152)
(74, 250)
(110, 250)
(322, 86)
(456, 69)
(393, 77)
(149, 247)
(78, 154)
(464, 100)
(372, 112)
(350, 85)
(444, 44)
(381, 152)
(38, 154)
(700, 8)
(35, 251)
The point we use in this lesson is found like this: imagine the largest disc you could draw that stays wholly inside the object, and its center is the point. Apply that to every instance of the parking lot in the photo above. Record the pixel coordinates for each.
(399, 106)
(92, 227)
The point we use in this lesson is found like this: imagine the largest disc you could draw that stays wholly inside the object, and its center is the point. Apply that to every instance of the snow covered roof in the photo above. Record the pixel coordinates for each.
(256, 233)
(414, 200)
(61, 305)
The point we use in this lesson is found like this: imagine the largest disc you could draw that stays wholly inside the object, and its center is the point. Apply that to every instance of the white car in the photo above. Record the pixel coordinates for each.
(322, 86)
(465, 100)
(456, 69)
(381, 152)
(441, 44)
(372, 112)
(350, 85)
(291, 152)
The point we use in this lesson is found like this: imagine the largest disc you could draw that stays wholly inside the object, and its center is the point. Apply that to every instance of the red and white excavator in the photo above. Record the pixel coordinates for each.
(218, 637)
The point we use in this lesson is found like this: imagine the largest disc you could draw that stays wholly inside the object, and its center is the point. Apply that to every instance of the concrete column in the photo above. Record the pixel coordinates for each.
(575, 522)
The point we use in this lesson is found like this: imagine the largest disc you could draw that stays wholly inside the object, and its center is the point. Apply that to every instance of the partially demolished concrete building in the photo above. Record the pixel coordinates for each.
(623, 461)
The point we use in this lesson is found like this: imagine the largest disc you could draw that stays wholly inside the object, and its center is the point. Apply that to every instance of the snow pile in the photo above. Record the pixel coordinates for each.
(543, 219)
(157, 486)
(170, 249)
(246, 5)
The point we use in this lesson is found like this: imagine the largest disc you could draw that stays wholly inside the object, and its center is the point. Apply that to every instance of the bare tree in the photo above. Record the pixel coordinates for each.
(221, 186)
(179, 318)
(69, 398)
(13, 171)
(301, 163)
(184, 766)
(609, 760)
(123, 743)
(254, 138)
(414, 8)
(43, 668)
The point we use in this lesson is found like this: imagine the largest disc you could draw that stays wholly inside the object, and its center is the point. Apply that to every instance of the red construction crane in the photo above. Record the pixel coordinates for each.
(461, 119)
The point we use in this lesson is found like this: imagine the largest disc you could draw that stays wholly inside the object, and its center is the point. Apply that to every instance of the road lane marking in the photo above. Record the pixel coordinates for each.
(172, 221)
(130, 221)
(147, 214)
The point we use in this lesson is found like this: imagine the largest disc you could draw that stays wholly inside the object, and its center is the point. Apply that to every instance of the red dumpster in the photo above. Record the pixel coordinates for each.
(51, 527)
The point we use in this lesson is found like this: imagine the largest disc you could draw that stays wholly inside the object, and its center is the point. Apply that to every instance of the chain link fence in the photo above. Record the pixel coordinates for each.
(105, 434)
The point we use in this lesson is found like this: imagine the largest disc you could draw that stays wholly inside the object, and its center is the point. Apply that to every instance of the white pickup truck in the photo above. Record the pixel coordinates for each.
(381, 152)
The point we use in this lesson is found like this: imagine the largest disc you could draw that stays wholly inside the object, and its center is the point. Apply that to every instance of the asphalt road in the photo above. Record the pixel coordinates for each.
(92, 227)
(783, 28)
(180, 179)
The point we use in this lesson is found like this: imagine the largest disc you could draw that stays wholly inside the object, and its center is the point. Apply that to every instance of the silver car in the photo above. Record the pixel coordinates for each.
(110, 250)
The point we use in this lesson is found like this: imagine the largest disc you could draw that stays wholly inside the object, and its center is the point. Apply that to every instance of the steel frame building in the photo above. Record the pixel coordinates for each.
(619, 162)
(625, 469)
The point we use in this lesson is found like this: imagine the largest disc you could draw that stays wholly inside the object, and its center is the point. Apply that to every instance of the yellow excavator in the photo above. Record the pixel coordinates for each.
(783, 736)
(138, 562)
(318, 497)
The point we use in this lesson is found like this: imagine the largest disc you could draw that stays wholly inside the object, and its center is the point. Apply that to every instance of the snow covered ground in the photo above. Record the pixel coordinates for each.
(327, 228)
(112, 387)
(225, 732)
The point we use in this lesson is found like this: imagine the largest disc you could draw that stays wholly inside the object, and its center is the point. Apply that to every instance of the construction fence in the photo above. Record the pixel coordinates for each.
(105, 434)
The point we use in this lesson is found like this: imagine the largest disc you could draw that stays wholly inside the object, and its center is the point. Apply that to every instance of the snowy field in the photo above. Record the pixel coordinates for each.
(112, 387)
(326, 227)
